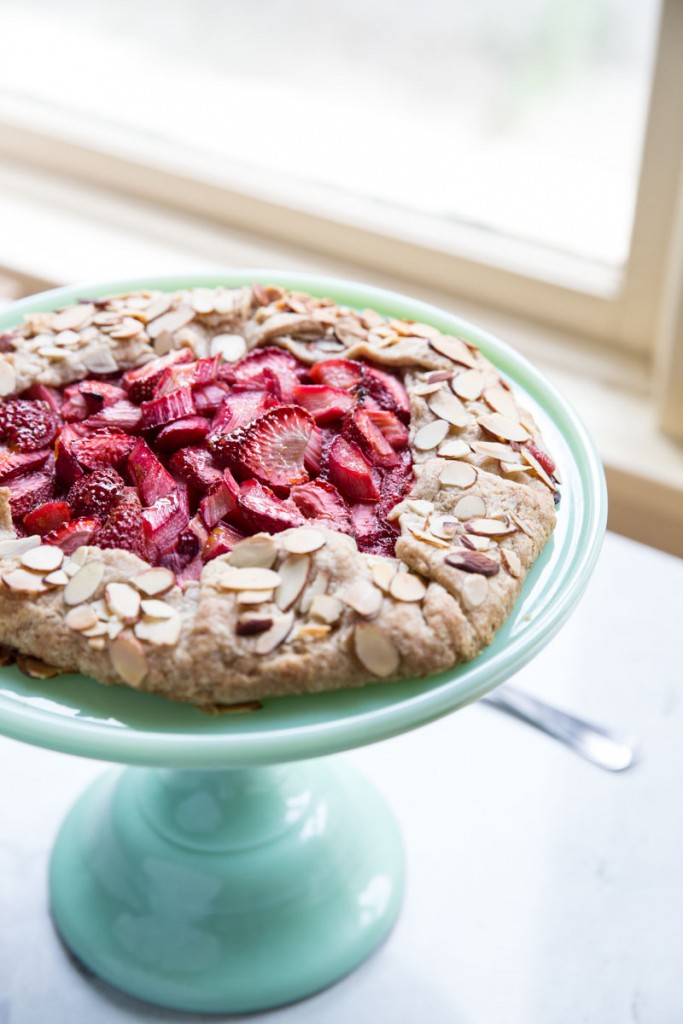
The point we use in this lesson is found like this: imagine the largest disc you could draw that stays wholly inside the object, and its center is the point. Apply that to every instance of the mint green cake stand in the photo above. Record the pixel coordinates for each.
(236, 867)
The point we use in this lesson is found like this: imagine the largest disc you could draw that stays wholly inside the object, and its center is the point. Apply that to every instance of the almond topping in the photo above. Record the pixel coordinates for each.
(419, 506)
(445, 527)
(318, 586)
(157, 609)
(16, 546)
(326, 608)
(230, 347)
(154, 582)
(538, 468)
(45, 558)
(171, 321)
(159, 632)
(124, 601)
(128, 658)
(303, 541)
(254, 552)
(431, 435)
(383, 573)
(428, 538)
(24, 582)
(476, 542)
(469, 385)
(80, 618)
(472, 561)
(8, 378)
(422, 390)
(503, 426)
(37, 669)
(458, 474)
(363, 597)
(249, 625)
(513, 467)
(470, 507)
(254, 596)
(490, 527)
(406, 587)
(453, 348)
(502, 401)
(312, 631)
(375, 650)
(448, 407)
(511, 561)
(495, 450)
(474, 591)
(293, 576)
(454, 448)
(276, 635)
(56, 579)
(83, 585)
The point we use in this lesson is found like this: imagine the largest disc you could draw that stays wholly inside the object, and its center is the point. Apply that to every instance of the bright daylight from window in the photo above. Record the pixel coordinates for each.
(525, 119)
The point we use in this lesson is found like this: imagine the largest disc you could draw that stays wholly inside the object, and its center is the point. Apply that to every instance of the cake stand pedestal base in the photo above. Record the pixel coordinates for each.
(227, 891)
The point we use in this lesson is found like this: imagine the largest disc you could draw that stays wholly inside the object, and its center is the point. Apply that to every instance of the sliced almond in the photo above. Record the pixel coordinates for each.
(156, 308)
(114, 628)
(17, 546)
(458, 474)
(8, 378)
(406, 587)
(474, 591)
(524, 527)
(128, 328)
(312, 631)
(431, 435)
(363, 597)
(469, 385)
(97, 644)
(276, 635)
(164, 343)
(157, 609)
(83, 585)
(202, 300)
(128, 658)
(511, 562)
(24, 582)
(503, 426)
(453, 348)
(159, 632)
(470, 507)
(254, 596)
(428, 538)
(326, 608)
(99, 629)
(56, 579)
(454, 448)
(154, 582)
(303, 541)
(98, 359)
(250, 625)
(73, 317)
(445, 527)
(80, 556)
(490, 527)
(45, 558)
(538, 468)
(446, 405)
(124, 601)
(375, 650)
(37, 669)
(231, 709)
(422, 390)
(317, 586)
(80, 618)
(495, 450)
(513, 467)
(502, 401)
(293, 573)
(472, 561)
(383, 573)
(419, 506)
(254, 552)
(476, 542)
(171, 321)
(230, 347)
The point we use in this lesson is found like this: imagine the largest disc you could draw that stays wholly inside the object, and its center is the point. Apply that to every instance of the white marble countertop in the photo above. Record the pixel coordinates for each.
(541, 890)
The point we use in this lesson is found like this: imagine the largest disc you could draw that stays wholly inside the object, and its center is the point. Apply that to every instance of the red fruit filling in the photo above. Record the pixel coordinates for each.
(178, 460)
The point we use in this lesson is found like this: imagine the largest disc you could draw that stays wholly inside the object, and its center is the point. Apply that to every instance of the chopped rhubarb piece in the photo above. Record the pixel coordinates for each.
(262, 368)
(351, 473)
(219, 502)
(123, 527)
(190, 431)
(167, 409)
(271, 449)
(395, 482)
(122, 414)
(47, 517)
(140, 383)
(152, 480)
(320, 500)
(197, 527)
(221, 541)
(262, 510)
(359, 427)
(209, 398)
(15, 463)
(337, 373)
(28, 492)
(165, 519)
(240, 408)
(74, 534)
(96, 494)
(196, 467)
(107, 447)
(374, 535)
(387, 391)
(396, 433)
(27, 426)
(187, 375)
(324, 403)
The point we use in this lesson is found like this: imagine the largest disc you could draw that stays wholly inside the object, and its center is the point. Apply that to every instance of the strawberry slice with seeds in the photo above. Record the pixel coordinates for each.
(175, 406)
(271, 449)
(359, 427)
(28, 492)
(140, 383)
(320, 500)
(96, 494)
(42, 393)
(15, 463)
(123, 527)
(74, 534)
(182, 433)
(47, 517)
(220, 541)
(324, 403)
(153, 481)
(396, 433)
(240, 408)
(27, 426)
(262, 510)
(187, 375)
(387, 391)
(351, 473)
(107, 447)
(266, 368)
(196, 467)
(337, 373)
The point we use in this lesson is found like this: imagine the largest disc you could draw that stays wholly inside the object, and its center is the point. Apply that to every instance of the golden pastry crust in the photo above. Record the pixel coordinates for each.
(303, 610)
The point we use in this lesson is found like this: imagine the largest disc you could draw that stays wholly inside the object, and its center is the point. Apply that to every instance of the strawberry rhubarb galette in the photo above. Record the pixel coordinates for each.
(224, 494)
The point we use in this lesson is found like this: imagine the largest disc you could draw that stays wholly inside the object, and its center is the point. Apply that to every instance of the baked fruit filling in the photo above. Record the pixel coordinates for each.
(179, 459)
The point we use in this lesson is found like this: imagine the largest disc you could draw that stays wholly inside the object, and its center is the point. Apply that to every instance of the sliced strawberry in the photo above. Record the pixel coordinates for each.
(374, 535)
(182, 433)
(140, 383)
(396, 433)
(152, 480)
(74, 534)
(221, 541)
(27, 426)
(167, 409)
(320, 500)
(313, 455)
(187, 375)
(107, 447)
(542, 457)
(96, 494)
(123, 415)
(324, 403)
(387, 391)
(165, 519)
(196, 467)
(351, 473)
(264, 366)
(42, 393)
(271, 449)
(28, 492)
(88, 397)
(359, 427)
(47, 517)
(68, 469)
(262, 510)
(123, 527)
(15, 463)
(240, 408)
(209, 398)
(219, 502)
(337, 373)
(75, 407)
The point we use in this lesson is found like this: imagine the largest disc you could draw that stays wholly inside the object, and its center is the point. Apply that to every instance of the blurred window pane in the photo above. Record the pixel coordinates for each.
(524, 118)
